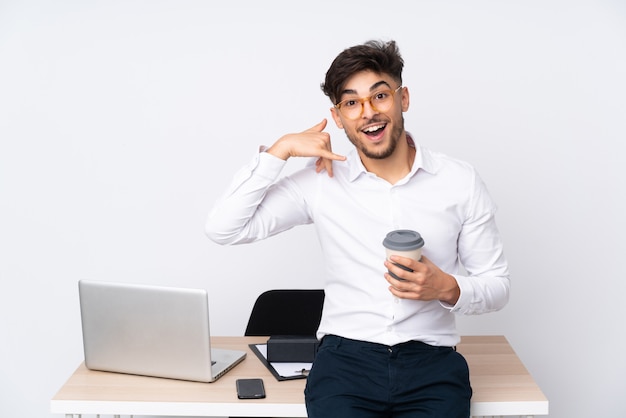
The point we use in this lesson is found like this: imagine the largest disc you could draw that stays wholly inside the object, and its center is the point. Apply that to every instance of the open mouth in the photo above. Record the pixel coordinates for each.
(374, 131)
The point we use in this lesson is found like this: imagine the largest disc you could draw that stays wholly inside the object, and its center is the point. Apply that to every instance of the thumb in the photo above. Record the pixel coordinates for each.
(319, 127)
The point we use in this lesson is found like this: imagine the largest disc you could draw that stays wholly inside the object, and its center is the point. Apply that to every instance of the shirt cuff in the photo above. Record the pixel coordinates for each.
(463, 296)
(267, 165)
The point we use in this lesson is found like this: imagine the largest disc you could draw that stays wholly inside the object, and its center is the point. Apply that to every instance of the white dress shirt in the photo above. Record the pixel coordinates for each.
(442, 198)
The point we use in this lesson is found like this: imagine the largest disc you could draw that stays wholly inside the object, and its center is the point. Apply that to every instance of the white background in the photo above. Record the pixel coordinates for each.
(122, 122)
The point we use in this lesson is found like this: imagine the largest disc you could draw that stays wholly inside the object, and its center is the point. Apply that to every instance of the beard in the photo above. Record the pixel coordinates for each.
(396, 133)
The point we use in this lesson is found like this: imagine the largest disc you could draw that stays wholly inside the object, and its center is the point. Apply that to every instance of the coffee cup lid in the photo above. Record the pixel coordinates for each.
(403, 240)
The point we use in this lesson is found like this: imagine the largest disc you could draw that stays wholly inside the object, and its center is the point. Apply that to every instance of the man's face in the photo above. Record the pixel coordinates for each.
(374, 132)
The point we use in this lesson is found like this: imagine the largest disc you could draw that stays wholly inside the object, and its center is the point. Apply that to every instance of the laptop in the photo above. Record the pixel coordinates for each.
(151, 331)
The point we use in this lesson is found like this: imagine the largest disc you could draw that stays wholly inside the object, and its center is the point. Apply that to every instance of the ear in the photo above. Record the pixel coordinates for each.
(336, 117)
(405, 99)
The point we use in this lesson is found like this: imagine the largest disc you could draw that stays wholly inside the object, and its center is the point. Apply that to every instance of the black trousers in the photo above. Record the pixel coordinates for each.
(359, 379)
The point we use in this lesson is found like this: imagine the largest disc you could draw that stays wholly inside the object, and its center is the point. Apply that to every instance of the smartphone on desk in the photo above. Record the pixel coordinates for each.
(250, 388)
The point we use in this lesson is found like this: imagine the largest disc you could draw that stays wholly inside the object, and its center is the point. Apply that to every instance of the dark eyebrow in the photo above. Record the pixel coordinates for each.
(372, 88)
(380, 83)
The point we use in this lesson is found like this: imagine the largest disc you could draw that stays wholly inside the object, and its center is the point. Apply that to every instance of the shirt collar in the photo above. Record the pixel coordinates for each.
(423, 160)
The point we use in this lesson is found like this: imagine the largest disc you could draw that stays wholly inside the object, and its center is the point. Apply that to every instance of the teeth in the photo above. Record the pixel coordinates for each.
(373, 128)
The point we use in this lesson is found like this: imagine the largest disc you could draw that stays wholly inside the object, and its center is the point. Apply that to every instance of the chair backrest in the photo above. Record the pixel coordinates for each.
(286, 312)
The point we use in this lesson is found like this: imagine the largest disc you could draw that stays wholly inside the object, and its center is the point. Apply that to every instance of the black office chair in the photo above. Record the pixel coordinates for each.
(286, 312)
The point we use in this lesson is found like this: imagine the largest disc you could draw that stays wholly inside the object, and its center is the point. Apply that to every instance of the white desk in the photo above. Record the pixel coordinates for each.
(501, 387)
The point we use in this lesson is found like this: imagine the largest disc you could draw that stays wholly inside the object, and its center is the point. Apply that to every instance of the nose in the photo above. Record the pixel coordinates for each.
(368, 110)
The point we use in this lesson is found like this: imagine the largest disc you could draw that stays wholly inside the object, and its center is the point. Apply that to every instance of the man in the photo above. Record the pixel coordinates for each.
(387, 345)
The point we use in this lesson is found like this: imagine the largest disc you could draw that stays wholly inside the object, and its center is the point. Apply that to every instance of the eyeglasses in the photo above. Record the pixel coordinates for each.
(381, 101)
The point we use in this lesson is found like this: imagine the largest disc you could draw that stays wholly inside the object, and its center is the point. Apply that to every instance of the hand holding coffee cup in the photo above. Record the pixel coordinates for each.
(405, 243)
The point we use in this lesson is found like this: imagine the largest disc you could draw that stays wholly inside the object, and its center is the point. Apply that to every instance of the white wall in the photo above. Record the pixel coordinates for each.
(121, 122)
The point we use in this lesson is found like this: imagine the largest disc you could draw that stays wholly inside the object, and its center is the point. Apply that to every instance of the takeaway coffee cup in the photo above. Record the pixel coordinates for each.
(405, 243)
